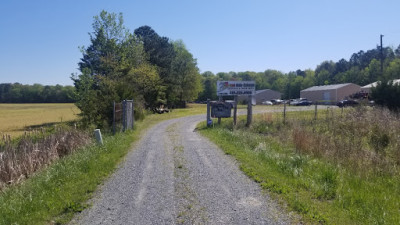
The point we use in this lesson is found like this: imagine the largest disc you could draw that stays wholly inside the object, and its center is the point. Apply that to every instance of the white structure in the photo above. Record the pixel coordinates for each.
(329, 94)
(261, 96)
(367, 88)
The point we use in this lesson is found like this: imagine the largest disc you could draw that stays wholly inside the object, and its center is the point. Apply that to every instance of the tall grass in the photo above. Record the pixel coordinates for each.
(341, 168)
(21, 158)
(53, 194)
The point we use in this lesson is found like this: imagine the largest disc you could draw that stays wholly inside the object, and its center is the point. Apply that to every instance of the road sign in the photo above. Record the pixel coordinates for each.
(221, 109)
(231, 88)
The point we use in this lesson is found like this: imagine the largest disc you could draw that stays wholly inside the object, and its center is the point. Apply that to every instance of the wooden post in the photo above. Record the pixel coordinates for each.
(249, 111)
(208, 119)
(316, 110)
(114, 117)
(284, 113)
(219, 118)
(235, 111)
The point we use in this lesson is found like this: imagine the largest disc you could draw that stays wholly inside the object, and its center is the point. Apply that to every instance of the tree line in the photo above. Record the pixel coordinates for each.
(36, 93)
(362, 68)
(154, 70)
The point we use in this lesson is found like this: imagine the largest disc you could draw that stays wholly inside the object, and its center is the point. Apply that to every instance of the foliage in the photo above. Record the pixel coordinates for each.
(36, 93)
(184, 77)
(142, 66)
(362, 68)
(342, 168)
(34, 152)
(54, 194)
(386, 94)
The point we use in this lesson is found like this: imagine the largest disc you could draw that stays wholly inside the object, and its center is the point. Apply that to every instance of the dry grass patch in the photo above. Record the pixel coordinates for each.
(15, 119)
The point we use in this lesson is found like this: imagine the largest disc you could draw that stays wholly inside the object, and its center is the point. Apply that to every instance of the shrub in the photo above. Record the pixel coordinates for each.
(20, 160)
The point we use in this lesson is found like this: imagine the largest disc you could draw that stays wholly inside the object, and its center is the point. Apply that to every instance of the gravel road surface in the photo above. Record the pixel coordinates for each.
(175, 176)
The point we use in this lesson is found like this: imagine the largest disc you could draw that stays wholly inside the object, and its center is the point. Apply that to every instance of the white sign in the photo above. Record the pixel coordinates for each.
(225, 88)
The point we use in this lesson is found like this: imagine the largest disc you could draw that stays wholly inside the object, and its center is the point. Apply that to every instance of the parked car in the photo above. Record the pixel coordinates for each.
(276, 101)
(345, 103)
(303, 102)
(266, 103)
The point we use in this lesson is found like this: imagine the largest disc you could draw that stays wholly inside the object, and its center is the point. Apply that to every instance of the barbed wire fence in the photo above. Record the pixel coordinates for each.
(123, 116)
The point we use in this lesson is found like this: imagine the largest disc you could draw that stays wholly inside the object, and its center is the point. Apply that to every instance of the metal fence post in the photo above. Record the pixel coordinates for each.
(208, 119)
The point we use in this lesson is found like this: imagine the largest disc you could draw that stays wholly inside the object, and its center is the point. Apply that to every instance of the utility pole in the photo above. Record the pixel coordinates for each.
(381, 56)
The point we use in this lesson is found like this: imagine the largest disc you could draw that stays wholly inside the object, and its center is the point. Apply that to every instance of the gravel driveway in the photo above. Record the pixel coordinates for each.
(175, 176)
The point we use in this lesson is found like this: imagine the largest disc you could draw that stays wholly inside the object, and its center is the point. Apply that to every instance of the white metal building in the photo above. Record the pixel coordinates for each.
(329, 94)
(261, 96)
(367, 88)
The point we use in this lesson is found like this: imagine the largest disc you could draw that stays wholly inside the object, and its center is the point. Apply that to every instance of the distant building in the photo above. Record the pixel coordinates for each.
(367, 88)
(261, 96)
(329, 94)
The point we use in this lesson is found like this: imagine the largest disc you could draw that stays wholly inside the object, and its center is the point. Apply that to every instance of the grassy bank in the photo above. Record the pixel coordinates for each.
(339, 169)
(54, 194)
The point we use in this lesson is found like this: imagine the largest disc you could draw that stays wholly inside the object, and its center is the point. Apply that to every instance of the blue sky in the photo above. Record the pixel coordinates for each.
(39, 39)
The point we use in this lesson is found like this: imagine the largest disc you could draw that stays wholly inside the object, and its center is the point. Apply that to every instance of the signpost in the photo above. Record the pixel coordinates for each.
(221, 110)
(231, 88)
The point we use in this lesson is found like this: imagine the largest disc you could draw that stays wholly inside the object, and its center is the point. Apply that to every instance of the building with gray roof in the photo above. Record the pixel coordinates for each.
(329, 94)
(261, 96)
(367, 88)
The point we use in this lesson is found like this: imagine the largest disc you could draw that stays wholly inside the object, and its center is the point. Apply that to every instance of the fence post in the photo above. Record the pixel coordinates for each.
(124, 115)
(133, 114)
(284, 113)
(208, 119)
(235, 111)
(315, 113)
(249, 111)
(97, 134)
(114, 118)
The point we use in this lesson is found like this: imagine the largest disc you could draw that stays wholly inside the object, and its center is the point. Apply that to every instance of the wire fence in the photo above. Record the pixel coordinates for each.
(313, 113)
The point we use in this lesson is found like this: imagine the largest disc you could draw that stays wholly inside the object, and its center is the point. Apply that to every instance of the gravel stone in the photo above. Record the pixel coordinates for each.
(173, 175)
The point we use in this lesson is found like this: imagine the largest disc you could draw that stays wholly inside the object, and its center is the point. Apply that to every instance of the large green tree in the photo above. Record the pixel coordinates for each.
(184, 79)
(108, 69)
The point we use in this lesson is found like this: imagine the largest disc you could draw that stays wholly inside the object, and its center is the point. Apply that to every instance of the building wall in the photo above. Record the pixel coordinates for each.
(267, 95)
(322, 95)
(330, 96)
(261, 96)
(348, 90)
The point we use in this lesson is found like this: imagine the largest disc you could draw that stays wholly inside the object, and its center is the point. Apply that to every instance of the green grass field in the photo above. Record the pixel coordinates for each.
(15, 119)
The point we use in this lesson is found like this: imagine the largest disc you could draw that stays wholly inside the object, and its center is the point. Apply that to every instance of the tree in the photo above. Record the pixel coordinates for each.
(325, 73)
(209, 81)
(397, 52)
(104, 67)
(392, 71)
(386, 94)
(159, 49)
(161, 53)
(185, 77)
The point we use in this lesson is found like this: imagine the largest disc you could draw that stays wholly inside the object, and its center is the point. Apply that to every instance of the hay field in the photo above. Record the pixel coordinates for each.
(15, 119)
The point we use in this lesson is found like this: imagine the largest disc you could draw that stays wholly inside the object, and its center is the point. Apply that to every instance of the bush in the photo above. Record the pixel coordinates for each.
(386, 94)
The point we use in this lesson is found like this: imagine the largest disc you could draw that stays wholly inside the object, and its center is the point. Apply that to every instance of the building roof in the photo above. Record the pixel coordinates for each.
(375, 83)
(326, 87)
(260, 91)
